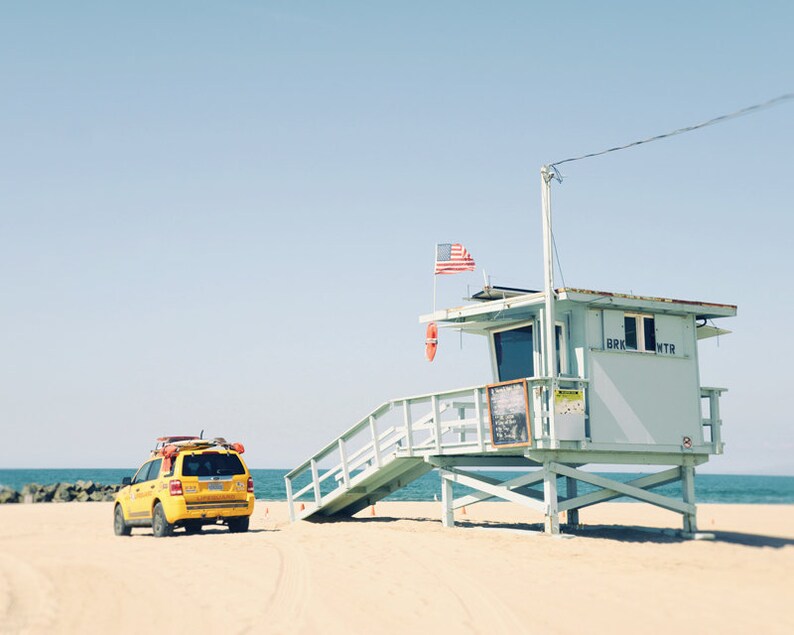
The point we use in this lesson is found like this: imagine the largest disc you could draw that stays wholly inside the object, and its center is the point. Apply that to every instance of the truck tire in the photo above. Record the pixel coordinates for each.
(120, 526)
(160, 525)
(238, 525)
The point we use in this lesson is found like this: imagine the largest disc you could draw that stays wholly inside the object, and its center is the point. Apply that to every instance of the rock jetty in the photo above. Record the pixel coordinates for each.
(81, 491)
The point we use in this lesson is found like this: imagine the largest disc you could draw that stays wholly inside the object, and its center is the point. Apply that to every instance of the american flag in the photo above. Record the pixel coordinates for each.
(453, 258)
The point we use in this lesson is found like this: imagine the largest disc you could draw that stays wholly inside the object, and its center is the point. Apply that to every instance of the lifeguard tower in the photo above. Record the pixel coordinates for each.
(580, 378)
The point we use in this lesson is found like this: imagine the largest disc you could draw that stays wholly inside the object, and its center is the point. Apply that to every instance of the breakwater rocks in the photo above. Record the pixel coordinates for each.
(81, 491)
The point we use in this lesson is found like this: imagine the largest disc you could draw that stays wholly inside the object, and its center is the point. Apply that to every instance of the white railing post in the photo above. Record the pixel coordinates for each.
(552, 517)
(409, 433)
(572, 515)
(716, 422)
(343, 461)
(290, 502)
(480, 420)
(462, 429)
(548, 412)
(447, 515)
(436, 421)
(375, 443)
(688, 490)
(316, 481)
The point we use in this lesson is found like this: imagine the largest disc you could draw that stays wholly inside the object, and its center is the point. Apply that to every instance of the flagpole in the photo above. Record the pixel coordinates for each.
(435, 277)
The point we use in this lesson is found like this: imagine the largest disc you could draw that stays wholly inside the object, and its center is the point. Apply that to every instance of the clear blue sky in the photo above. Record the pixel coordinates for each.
(221, 215)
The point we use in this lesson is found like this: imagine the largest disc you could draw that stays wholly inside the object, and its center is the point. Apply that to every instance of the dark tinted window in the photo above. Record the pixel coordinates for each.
(559, 342)
(154, 470)
(630, 322)
(211, 465)
(141, 475)
(514, 353)
(640, 333)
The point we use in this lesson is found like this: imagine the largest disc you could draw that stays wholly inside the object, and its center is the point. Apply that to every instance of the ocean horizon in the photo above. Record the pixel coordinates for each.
(269, 484)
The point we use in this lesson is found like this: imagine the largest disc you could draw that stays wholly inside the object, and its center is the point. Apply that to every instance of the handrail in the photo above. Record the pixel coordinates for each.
(425, 434)
(377, 412)
(429, 434)
(345, 435)
(427, 396)
(353, 462)
(713, 422)
(380, 447)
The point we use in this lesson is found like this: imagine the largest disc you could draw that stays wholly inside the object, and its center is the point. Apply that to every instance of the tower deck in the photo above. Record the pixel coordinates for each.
(405, 438)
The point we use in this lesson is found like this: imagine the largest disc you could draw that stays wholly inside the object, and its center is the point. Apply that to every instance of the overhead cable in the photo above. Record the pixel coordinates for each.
(739, 113)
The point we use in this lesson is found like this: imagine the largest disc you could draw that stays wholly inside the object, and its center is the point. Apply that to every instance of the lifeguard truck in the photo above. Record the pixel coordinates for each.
(579, 378)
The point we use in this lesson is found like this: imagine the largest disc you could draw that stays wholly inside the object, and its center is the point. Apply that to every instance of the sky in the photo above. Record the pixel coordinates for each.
(221, 216)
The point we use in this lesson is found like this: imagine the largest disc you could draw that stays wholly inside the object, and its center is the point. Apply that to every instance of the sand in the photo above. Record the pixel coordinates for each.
(63, 571)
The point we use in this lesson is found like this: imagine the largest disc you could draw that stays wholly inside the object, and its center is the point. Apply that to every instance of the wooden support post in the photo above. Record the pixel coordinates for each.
(688, 489)
(409, 433)
(480, 420)
(290, 502)
(375, 443)
(318, 499)
(462, 430)
(343, 461)
(447, 515)
(552, 519)
(716, 422)
(571, 492)
(436, 422)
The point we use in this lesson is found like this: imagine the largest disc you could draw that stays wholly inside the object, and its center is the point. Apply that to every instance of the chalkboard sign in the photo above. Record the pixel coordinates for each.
(508, 410)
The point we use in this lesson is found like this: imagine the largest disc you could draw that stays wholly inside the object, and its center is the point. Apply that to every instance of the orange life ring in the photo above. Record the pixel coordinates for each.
(431, 341)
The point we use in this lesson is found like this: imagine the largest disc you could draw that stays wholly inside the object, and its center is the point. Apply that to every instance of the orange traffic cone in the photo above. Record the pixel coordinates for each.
(372, 510)
(463, 511)
(302, 507)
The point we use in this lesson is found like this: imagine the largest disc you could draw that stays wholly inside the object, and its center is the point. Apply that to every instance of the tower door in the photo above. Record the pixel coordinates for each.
(514, 353)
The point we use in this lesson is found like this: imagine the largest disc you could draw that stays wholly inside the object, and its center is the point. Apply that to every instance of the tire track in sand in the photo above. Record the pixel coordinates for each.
(28, 601)
(286, 610)
(478, 602)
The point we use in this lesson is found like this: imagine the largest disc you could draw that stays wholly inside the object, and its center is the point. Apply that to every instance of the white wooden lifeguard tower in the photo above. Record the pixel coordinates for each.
(580, 378)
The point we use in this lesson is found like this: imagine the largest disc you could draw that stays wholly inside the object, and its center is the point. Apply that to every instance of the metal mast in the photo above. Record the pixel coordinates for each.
(549, 339)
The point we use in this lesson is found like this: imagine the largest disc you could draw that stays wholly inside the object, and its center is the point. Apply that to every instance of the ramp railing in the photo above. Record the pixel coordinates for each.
(434, 424)
(445, 422)
(713, 423)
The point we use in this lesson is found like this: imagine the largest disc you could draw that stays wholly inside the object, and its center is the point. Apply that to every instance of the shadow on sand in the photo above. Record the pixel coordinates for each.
(220, 531)
(620, 533)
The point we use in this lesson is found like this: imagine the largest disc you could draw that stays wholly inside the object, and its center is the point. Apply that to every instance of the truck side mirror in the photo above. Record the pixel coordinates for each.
(126, 481)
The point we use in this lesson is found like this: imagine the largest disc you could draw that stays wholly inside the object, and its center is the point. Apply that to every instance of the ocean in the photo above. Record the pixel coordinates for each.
(269, 485)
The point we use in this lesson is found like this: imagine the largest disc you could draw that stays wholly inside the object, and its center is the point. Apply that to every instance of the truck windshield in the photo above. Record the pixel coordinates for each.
(210, 464)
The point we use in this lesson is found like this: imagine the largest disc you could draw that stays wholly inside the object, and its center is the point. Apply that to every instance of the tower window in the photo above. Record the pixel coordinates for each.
(640, 332)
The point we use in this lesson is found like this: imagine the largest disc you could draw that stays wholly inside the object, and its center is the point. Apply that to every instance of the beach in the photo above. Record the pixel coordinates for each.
(63, 571)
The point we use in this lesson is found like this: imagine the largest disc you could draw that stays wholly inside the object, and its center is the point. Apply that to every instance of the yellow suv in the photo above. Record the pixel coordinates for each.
(187, 482)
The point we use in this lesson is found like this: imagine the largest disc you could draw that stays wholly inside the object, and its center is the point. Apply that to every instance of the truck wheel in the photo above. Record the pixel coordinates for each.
(120, 526)
(238, 525)
(193, 528)
(160, 525)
